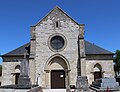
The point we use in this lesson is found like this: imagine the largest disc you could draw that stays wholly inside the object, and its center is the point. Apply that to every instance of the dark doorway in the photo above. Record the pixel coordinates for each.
(57, 79)
(97, 75)
(16, 77)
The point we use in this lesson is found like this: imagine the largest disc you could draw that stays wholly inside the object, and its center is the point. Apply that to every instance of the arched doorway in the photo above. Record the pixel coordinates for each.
(97, 71)
(58, 69)
(17, 73)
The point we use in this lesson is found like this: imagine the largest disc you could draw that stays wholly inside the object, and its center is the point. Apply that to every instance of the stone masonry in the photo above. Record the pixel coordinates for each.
(43, 58)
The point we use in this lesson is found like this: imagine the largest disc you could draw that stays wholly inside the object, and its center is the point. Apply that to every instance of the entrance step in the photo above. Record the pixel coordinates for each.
(54, 90)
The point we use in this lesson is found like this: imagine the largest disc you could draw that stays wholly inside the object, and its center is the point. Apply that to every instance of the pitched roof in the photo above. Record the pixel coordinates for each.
(89, 49)
(18, 51)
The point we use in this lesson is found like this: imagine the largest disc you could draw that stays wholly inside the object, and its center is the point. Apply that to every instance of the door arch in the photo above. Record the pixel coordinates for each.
(57, 66)
(49, 62)
(17, 73)
(97, 71)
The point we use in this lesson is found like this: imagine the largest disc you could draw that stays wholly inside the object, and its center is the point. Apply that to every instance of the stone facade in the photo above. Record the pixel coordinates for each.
(8, 71)
(43, 32)
(43, 58)
(106, 68)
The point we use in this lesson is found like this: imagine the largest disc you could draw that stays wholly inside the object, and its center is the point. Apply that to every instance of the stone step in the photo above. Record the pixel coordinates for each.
(54, 90)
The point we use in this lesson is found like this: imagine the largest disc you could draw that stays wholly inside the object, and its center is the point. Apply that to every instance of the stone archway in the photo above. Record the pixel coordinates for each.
(17, 73)
(57, 67)
(97, 71)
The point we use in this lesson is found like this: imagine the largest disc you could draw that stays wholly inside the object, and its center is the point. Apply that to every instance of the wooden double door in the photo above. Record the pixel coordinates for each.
(57, 79)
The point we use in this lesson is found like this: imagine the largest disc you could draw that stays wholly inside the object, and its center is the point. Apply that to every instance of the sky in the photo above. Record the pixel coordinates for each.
(101, 19)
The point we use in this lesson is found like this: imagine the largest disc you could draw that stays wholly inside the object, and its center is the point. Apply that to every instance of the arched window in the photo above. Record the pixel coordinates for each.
(17, 69)
(56, 24)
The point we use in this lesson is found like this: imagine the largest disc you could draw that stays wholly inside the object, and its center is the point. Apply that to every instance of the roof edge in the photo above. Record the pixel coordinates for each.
(102, 54)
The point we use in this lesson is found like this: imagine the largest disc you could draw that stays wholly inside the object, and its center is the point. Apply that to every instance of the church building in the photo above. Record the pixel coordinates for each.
(52, 54)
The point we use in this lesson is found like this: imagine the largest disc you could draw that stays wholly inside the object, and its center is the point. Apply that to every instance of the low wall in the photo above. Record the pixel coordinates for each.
(36, 89)
(13, 90)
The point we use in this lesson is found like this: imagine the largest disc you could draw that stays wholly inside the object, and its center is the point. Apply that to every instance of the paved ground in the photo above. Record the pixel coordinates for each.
(54, 90)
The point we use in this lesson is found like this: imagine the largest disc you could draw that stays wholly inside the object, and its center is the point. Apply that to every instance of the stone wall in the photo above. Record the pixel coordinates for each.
(36, 89)
(8, 70)
(43, 31)
(106, 65)
(13, 90)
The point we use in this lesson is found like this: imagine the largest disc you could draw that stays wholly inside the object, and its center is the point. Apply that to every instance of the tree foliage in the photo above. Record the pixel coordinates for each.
(117, 62)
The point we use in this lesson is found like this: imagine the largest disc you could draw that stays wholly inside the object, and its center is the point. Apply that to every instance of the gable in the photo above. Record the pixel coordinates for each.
(57, 14)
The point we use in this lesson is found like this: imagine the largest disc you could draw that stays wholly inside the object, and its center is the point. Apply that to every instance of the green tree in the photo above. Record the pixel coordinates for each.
(117, 62)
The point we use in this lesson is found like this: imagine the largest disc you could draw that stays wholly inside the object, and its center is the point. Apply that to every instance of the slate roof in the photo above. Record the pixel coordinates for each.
(89, 49)
(18, 51)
